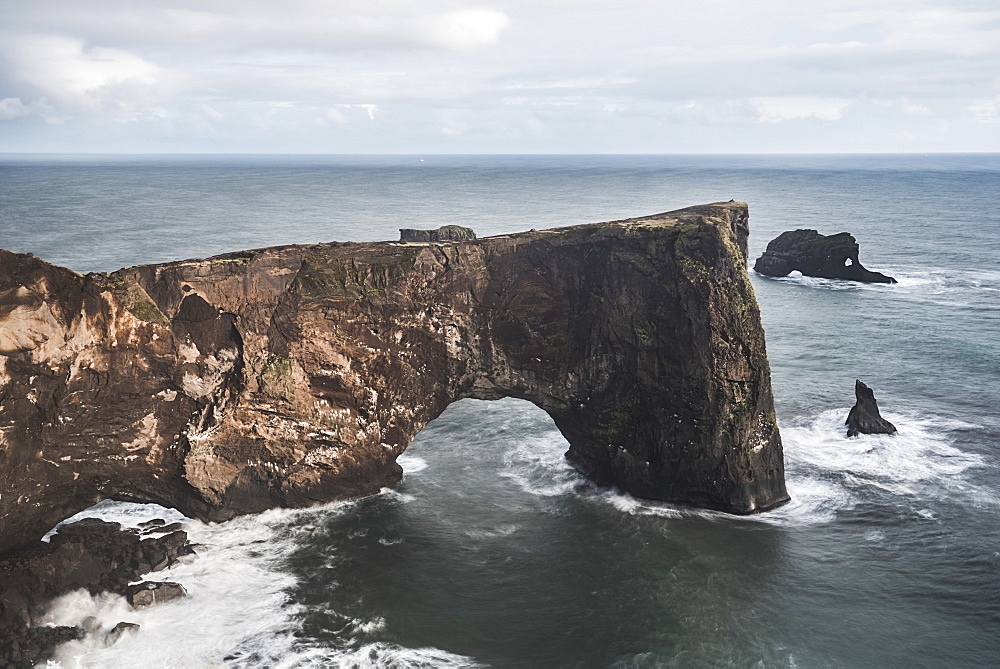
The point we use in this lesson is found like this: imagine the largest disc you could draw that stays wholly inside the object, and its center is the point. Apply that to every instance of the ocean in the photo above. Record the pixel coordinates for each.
(492, 551)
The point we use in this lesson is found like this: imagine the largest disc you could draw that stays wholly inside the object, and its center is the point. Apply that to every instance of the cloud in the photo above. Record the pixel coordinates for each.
(466, 29)
(72, 78)
(369, 109)
(986, 111)
(915, 110)
(11, 108)
(227, 26)
(389, 75)
(787, 108)
(579, 82)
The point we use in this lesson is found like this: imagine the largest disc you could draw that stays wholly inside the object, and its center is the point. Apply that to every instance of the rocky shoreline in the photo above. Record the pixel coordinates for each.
(89, 554)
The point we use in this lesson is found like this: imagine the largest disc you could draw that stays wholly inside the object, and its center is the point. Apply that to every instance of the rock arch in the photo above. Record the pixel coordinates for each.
(294, 375)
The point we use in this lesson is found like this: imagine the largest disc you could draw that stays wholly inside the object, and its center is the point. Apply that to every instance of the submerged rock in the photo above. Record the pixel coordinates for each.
(813, 254)
(294, 375)
(447, 233)
(864, 417)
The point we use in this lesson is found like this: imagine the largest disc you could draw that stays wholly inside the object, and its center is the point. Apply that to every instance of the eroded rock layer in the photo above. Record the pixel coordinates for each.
(294, 375)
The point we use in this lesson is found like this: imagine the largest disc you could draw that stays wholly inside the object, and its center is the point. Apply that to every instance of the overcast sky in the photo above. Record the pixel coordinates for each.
(531, 76)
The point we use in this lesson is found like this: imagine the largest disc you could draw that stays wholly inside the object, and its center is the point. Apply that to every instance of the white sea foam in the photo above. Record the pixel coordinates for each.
(926, 284)
(411, 464)
(921, 450)
(126, 513)
(377, 656)
(919, 464)
(500, 531)
(238, 610)
(396, 496)
(826, 471)
(538, 465)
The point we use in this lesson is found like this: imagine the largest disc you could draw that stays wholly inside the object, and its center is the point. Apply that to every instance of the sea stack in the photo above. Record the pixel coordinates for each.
(294, 375)
(864, 417)
(813, 254)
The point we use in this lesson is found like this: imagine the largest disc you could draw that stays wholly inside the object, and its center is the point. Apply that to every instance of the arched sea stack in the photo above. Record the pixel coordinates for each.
(813, 254)
(294, 375)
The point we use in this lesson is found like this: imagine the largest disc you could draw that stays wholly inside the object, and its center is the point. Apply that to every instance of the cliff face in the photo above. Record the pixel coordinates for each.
(293, 375)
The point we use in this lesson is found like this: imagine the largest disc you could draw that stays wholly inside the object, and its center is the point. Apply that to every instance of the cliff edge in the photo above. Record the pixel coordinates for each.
(293, 375)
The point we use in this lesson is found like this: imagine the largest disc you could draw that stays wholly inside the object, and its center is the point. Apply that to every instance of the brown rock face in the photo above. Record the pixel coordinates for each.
(293, 375)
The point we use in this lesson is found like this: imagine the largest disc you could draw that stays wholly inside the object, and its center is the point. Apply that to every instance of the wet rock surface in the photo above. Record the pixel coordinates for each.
(294, 375)
(813, 254)
(90, 554)
(148, 593)
(864, 417)
(120, 630)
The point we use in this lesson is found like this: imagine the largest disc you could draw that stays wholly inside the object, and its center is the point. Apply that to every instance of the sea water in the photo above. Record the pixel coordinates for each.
(492, 551)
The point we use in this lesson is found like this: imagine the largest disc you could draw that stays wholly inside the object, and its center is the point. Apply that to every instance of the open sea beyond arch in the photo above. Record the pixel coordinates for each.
(493, 551)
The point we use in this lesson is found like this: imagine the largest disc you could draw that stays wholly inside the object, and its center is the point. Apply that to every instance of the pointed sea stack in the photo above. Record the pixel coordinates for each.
(864, 417)
(813, 254)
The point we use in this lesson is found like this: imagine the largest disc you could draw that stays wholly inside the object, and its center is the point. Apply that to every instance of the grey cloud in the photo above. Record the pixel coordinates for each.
(452, 75)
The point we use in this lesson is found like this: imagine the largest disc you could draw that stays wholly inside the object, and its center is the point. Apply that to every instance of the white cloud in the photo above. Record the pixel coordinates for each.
(912, 109)
(11, 108)
(369, 109)
(787, 108)
(580, 82)
(75, 78)
(211, 112)
(388, 75)
(466, 29)
(986, 111)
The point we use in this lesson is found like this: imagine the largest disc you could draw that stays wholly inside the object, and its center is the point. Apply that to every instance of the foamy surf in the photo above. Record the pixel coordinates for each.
(826, 472)
(919, 465)
(379, 656)
(411, 464)
(935, 285)
(538, 465)
(238, 610)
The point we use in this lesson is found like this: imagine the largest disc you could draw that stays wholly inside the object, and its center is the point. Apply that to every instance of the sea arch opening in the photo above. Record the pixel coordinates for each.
(508, 446)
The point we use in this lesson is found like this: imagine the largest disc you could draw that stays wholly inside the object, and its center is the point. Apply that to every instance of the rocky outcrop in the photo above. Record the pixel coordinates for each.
(447, 233)
(813, 254)
(149, 593)
(294, 375)
(90, 554)
(120, 630)
(864, 417)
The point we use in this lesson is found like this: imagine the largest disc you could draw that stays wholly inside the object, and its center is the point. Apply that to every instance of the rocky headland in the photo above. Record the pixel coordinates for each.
(813, 254)
(294, 375)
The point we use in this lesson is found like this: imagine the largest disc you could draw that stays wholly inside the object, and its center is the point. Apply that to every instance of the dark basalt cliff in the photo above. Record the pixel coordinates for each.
(813, 254)
(294, 375)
